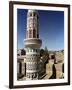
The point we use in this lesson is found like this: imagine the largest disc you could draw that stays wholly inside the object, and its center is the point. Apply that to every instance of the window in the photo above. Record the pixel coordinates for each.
(33, 50)
(36, 50)
(30, 50)
(35, 54)
(37, 35)
(37, 17)
(30, 33)
(30, 14)
(34, 14)
(34, 33)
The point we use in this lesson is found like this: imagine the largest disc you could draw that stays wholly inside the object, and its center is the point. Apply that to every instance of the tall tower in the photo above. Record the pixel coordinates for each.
(32, 45)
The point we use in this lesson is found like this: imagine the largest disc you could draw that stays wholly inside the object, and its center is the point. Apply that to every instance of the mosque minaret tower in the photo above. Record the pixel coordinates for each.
(32, 45)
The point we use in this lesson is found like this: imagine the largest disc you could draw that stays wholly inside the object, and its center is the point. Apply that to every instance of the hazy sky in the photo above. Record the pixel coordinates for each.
(51, 28)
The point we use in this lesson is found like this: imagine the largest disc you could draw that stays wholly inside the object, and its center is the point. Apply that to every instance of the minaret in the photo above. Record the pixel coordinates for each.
(32, 45)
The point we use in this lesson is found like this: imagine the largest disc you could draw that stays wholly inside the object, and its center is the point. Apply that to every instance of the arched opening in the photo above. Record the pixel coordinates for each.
(30, 33)
(30, 14)
(34, 33)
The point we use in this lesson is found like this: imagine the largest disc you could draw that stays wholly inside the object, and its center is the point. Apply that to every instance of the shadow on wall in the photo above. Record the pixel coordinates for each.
(54, 72)
(63, 68)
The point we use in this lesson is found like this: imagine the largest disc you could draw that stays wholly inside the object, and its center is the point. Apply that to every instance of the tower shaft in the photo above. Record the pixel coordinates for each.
(32, 45)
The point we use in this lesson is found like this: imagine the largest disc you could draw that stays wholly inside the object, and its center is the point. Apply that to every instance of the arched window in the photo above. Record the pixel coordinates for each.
(34, 14)
(30, 33)
(30, 14)
(34, 33)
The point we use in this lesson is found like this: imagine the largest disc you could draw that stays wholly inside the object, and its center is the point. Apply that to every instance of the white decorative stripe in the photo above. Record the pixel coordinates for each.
(31, 71)
(32, 62)
(32, 53)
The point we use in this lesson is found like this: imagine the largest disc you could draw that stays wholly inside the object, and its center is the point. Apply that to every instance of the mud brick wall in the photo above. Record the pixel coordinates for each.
(49, 70)
(54, 70)
(58, 70)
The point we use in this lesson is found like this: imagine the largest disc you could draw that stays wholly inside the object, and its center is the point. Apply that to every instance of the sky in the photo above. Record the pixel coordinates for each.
(51, 28)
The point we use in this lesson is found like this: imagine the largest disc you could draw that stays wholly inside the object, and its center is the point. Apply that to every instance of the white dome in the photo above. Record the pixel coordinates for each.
(32, 10)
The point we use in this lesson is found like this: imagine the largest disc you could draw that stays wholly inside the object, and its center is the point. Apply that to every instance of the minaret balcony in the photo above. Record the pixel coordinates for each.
(33, 43)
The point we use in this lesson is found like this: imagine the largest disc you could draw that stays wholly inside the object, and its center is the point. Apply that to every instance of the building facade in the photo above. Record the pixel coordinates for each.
(32, 45)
